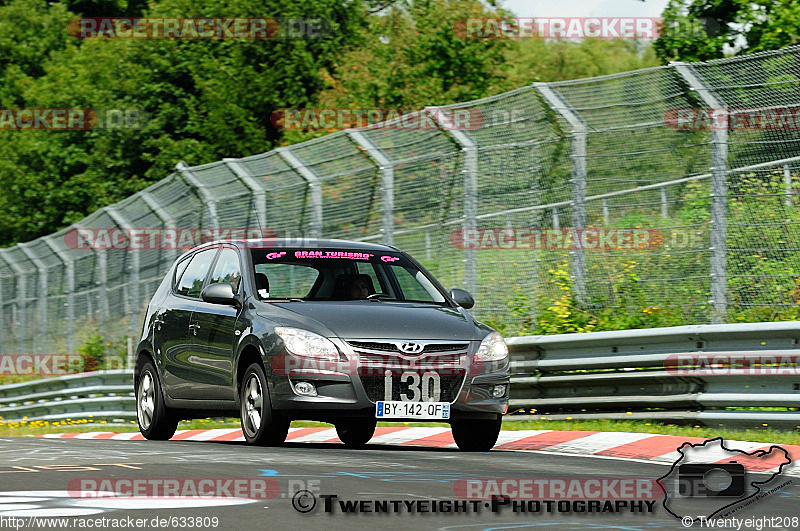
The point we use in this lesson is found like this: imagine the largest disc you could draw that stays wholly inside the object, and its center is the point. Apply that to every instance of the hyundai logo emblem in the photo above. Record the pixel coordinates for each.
(411, 348)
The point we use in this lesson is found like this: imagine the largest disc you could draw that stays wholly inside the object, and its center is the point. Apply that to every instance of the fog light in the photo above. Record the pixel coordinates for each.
(305, 389)
(499, 391)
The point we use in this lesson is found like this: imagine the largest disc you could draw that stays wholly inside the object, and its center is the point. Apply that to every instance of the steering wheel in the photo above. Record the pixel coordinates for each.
(379, 296)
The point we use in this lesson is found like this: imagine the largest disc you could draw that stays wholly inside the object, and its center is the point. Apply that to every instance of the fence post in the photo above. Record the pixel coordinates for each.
(208, 198)
(2, 315)
(102, 277)
(163, 215)
(69, 313)
(135, 267)
(19, 300)
(386, 167)
(39, 339)
(578, 133)
(664, 203)
(719, 194)
(259, 196)
(787, 179)
(314, 186)
(470, 150)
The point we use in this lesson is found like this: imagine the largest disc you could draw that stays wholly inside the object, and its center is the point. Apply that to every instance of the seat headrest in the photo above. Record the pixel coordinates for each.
(262, 285)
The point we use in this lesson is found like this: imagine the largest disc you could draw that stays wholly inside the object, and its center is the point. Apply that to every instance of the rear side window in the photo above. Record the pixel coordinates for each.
(191, 282)
(227, 269)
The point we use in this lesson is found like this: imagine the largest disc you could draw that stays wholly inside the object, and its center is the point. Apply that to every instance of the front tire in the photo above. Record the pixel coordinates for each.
(156, 422)
(476, 435)
(260, 424)
(355, 433)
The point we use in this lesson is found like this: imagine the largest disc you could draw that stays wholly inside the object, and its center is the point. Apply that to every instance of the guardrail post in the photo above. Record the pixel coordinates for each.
(314, 186)
(69, 273)
(386, 167)
(134, 268)
(208, 198)
(664, 203)
(470, 150)
(163, 215)
(259, 196)
(579, 133)
(39, 338)
(719, 193)
(19, 300)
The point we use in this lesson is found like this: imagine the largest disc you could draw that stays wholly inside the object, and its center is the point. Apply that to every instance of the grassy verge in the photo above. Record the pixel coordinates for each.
(766, 435)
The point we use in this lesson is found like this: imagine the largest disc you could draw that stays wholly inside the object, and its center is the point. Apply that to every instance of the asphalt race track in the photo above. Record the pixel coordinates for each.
(36, 473)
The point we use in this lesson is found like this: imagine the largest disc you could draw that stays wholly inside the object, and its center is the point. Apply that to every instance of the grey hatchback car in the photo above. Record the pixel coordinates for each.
(338, 331)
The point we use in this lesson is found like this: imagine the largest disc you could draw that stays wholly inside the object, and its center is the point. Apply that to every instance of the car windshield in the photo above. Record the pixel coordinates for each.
(341, 275)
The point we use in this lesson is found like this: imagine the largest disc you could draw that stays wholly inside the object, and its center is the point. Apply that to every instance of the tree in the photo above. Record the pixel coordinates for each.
(207, 99)
(412, 57)
(543, 60)
(701, 30)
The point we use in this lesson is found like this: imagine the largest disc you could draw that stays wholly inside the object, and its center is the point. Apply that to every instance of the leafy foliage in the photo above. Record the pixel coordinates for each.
(700, 30)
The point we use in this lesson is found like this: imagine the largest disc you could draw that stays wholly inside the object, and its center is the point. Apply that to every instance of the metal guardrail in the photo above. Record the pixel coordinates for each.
(598, 375)
(101, 395)
(625, 375)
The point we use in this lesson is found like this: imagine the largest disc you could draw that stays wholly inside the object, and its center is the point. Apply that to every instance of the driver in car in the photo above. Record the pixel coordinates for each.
(358, 289)
(352, 287)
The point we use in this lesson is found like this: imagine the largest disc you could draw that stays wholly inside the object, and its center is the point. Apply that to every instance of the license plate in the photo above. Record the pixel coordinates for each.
(412, 410)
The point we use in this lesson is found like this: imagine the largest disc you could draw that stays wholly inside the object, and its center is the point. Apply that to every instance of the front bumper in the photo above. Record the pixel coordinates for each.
(341, 391)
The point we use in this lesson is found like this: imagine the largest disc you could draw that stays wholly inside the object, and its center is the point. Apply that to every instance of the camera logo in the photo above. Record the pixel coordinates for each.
(709, 478)
(726, 480)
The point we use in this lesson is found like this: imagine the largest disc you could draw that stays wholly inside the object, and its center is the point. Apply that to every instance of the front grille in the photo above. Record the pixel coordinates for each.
(375, 387)
(371, 345)
(429, 348)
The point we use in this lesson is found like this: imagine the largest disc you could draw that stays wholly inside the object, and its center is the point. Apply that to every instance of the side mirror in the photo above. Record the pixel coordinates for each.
(462, 297)
(220, 293)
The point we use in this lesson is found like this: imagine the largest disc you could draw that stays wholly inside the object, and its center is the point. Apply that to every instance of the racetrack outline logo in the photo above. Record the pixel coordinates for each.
(714, 449)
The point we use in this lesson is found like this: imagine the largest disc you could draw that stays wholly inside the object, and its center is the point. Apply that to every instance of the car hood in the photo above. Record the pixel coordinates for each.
(387, 320)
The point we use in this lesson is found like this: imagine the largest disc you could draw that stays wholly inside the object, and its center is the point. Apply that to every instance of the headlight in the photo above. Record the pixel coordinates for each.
(305, 343)
(493, 348)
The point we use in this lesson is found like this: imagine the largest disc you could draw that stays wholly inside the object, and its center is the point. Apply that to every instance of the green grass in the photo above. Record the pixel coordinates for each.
(766, 435)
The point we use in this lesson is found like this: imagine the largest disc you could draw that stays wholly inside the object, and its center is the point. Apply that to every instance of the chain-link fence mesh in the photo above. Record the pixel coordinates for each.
(594, 189)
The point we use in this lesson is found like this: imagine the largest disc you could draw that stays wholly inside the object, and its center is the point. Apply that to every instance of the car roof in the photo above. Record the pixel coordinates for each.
(304, 243)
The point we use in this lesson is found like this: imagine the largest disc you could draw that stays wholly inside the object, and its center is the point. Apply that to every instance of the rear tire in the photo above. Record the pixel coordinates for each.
(355, 433)
(476, 435)
(156, 421)
(260, 424)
